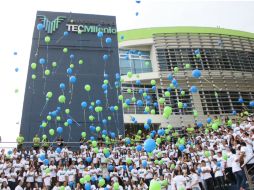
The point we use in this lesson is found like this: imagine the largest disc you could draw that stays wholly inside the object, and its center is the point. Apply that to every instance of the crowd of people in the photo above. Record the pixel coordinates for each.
(203, 159)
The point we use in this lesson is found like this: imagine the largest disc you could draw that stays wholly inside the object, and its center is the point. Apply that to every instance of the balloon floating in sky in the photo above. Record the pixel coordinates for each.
(137, 13)
(138, 1)
(100, 34)
(108, 41)
(42, 61)
(17, 69)
(196, 73)
(40, 26)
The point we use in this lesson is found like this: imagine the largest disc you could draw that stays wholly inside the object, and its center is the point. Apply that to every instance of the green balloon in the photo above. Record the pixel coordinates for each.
(171, 86)
(120, 97)
(129, 74)
(156, 162)
(144, 94)
(58, 118)
(182, 141)
(66, 124)
(82, 180)
(71, 66)
(115, 108)
(61, 99)
(44, 124)
(147, 63)
(105, 81)
(215, 126)
(92, 103)
(51, 132)
(195, 113)
(49, 95)
(167, 94)
(87, 87)
(94, 143)
(161, 100)
(153, 82)
(91, 118)
(47, 39)
(182, 93)
(33, 77)
(207, 154)
(98, 129)
(206, 131)
(109, 118)
(87, 178)
(170, 127)
(67, 111)
(155, 185)
(168, 138)
(225, 157)
(47, 170)
(133, 99)
(47, 72)
(158, 140)
(139, 132)
(65, 50)
(81, 62)
(54, 64)
(168, 110)
(128, 161)
(180, 105)
(125, 105)
(172, 166)
(116, 186)
(97, 109)
(153, 112)
(44, 136)
(229, 122)
(101, 182)
(49, 118)
(33, 66)
(187, 66)
(176, 69)
(96, 150)
(147, 109)
(83, 134)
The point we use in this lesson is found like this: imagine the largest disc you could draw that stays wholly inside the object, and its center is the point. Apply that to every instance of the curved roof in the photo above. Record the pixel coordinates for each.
(146, 33)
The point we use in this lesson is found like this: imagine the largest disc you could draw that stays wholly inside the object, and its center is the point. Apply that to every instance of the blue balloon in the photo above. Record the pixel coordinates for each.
(92, 138)
(42, 61)
(136, 13)
(197, 51)
(140, 91)
(240, 100)
(194, 89)
(139, 103)
(59, 130)
(83, 105)
(139, 147)
(128, 101)
(73, 79)
(208, 120)
(113, 135)
(138, 82)
(92, 128)
(104, 121)
(69, 121)
(111, 108)
(104, 132)
(127, 141)
(175, 83)
(17, 69)
(199, 124)
(98, 102)
(149, 145)
(199, 170)
(117, 76)
(124, 167)
(144, 163)
(196, 73)
(146, 126)
(9, 152)
(146, 90)
(69, 71)
(233, 112)
(161, 132)
(185, 105)
(58, 150)
(58, 108)
(93, 178)
(122, 37)
(105, 76)
(170, 77)
(107, 154)
(117, 84)
(251, 104)
(105, 57)
(108, 40)
(62, 86)
(149, 121)
(91, 108)
(42, 157)
(66, 33)
(100, 34)
(45, 161)
(110, 168)
(138, 1)
(40, 26)
(153, 88)
(104, 86)
(155, 104)
(88, 159)
(218, 164)
(71, 56)
(130, 167)
(181, 147)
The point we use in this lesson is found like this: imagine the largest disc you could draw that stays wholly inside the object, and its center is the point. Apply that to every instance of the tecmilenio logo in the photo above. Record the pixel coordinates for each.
(51, 26)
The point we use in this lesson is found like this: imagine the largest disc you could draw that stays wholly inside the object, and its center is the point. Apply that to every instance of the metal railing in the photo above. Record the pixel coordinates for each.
(248, 173)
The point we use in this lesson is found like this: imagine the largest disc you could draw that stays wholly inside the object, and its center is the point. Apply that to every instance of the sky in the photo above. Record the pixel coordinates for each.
(17, 20)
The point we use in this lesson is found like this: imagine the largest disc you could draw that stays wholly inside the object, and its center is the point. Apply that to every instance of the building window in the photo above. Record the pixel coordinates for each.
(134, 61)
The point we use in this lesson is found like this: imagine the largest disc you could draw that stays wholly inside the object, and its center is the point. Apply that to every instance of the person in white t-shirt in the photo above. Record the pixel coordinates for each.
(19, 186)
(206, 175)
(194, 185)
(178, 181)
(61, 175)
(217, 168)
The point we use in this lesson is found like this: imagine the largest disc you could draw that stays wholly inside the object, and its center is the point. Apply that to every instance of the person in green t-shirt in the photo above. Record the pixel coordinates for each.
(36, 141)
(20, 140)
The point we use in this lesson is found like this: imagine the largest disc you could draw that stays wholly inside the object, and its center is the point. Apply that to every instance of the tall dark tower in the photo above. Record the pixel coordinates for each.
(67, 54)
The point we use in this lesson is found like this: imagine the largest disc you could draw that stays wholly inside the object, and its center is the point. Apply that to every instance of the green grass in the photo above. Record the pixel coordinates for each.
(145, 33)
